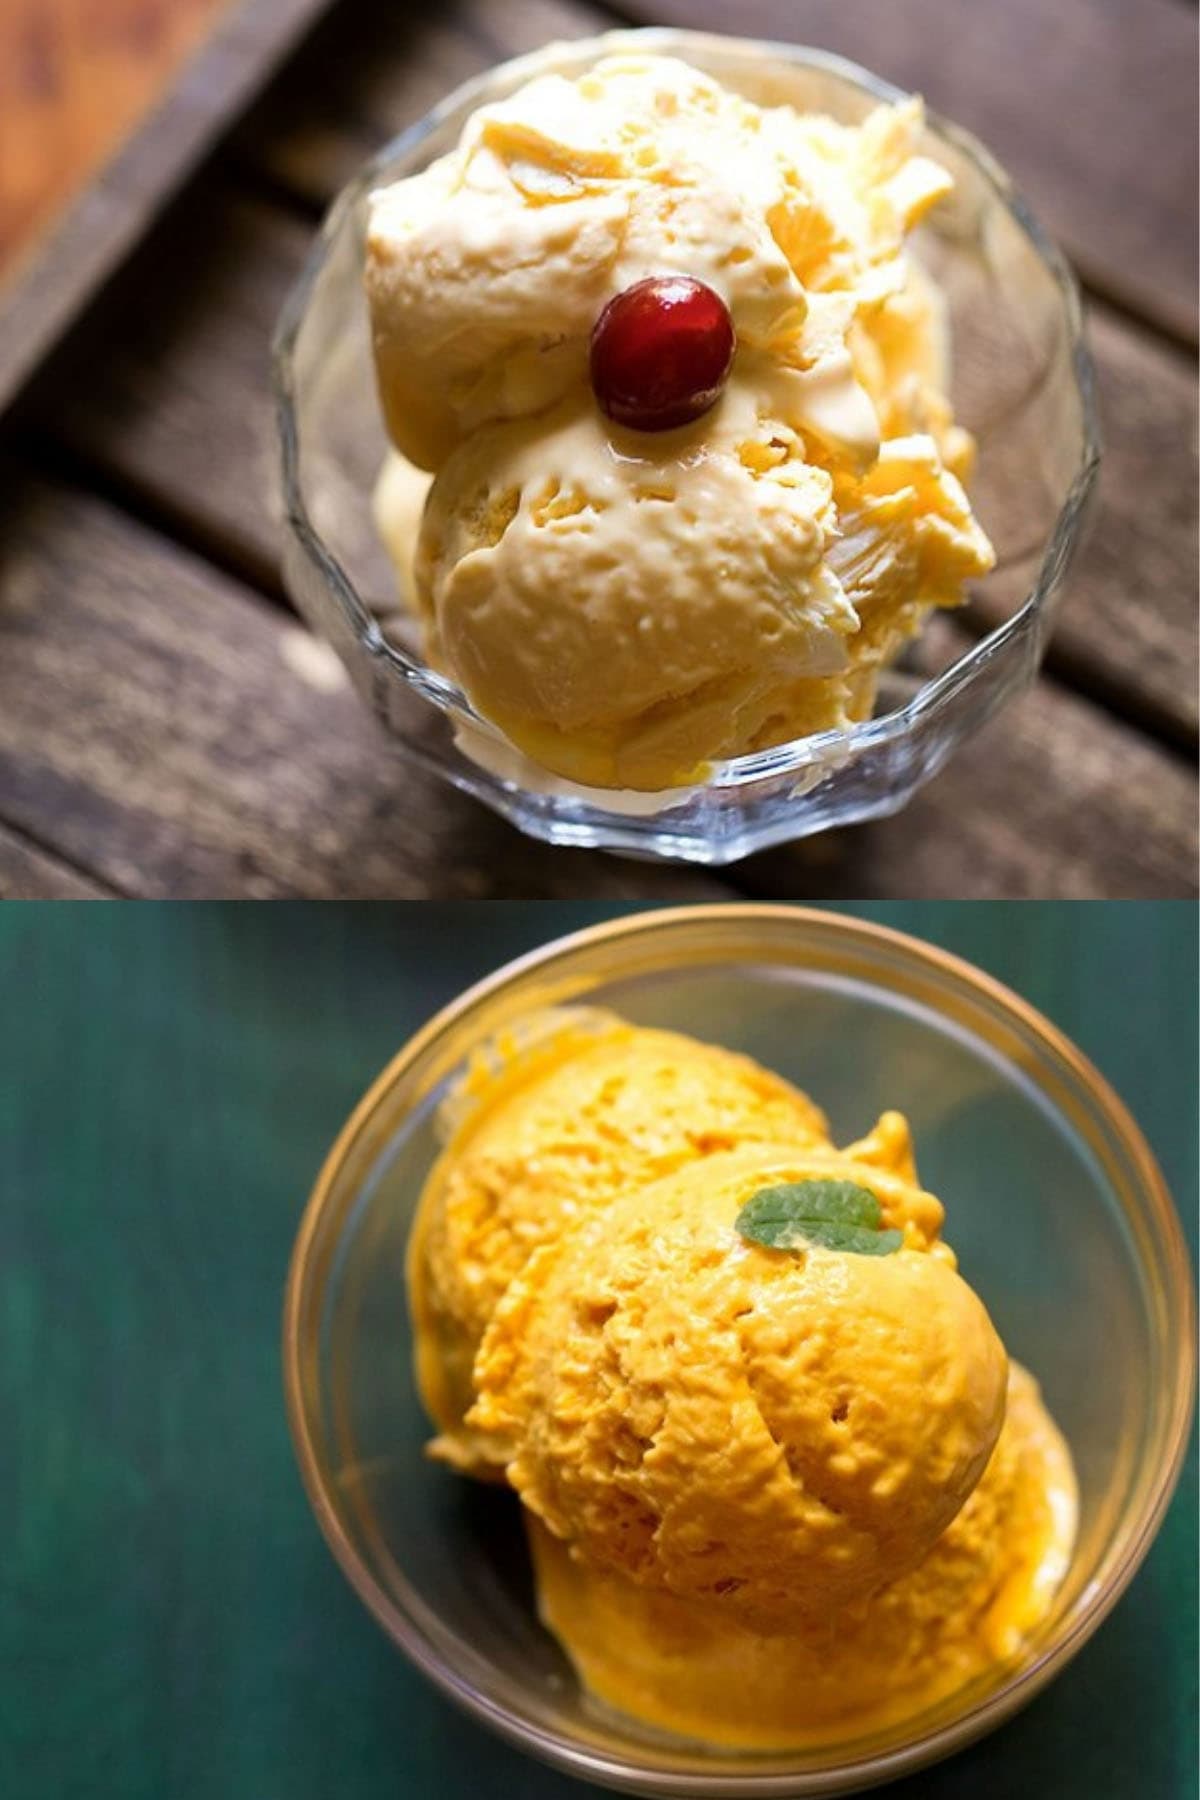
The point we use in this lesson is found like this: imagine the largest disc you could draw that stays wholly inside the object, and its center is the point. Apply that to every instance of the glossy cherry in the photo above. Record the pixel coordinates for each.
(660, 352)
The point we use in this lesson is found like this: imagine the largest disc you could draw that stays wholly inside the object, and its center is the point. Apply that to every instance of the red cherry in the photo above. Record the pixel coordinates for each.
(660, 352)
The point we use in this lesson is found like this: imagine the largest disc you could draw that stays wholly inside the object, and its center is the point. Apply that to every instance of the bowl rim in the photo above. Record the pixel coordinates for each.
(587, 1762)
(823, 749)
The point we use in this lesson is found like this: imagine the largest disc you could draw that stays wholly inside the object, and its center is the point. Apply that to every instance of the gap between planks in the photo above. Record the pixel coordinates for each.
(58, 461)
(31, 870)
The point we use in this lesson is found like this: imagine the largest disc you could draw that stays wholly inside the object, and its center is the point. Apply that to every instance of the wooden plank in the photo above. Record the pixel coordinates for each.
(75, 78)
(27, 873)
(1127, 629)
(100, 229)
(163, 728)
(1090, 104)
(171, 404)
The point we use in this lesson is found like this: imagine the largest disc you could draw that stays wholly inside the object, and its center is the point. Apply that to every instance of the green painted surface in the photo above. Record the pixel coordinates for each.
(171, 1624)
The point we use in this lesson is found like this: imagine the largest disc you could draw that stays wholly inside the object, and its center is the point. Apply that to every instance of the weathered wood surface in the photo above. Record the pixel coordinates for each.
(27, 873)
(75, 77)
(178, 412)
(105, 222)
(159, 723)
(1053, 800)
(1127, 629)
(183, 738)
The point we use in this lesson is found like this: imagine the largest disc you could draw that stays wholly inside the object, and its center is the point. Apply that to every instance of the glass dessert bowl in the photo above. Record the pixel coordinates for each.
(1020, 385)
(1092, 1292)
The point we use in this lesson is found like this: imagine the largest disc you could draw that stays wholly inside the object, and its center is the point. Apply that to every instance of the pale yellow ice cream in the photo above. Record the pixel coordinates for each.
(628, 605)
(775, 1496)
(547, 1132)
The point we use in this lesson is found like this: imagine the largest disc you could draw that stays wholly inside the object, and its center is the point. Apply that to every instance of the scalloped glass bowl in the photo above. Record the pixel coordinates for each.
(1056, 1209)
(1022, 384)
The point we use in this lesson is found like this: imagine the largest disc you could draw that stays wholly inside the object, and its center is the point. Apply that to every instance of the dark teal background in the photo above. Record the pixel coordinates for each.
(171, 1624)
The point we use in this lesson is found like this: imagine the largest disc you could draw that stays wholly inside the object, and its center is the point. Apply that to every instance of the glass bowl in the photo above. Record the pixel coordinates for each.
(1056, 1209)
(1022, 383)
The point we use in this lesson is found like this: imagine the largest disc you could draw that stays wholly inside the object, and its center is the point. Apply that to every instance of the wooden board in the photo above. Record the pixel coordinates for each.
(1127, 629)
(27, 873)
(75, 77)
(1052, 800)
(178, 421)
(45, 294)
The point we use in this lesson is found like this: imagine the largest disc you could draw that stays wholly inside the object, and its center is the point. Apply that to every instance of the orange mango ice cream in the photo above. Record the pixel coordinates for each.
(776, 1495)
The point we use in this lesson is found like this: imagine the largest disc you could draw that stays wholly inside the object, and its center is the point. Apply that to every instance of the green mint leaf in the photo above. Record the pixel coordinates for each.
(837, 1215)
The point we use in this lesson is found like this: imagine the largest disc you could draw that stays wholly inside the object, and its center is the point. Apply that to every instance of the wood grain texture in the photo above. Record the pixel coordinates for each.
(368, 70)
(27, 873)
(1054, 799)
(182, 739)
(1127, 627)
(1090, 105)
(75, 77)
(161, 726)
(172, 405)
(96, 234)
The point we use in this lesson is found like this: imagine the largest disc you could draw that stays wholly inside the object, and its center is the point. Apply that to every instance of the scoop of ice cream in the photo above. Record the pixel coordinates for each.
(627, 606)
(487, 272)
(908, 542)
(685, 1665)
(554, 1130)
(772, 1432)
